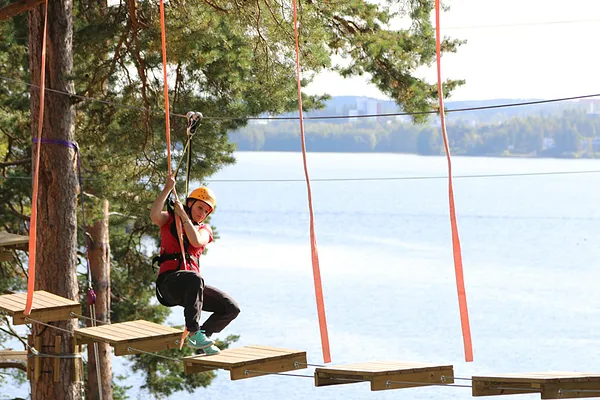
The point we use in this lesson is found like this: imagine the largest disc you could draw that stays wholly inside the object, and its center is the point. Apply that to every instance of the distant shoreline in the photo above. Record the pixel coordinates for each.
(528, 156)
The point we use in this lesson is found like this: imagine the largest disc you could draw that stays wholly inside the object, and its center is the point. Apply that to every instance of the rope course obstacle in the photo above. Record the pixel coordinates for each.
(140, 336)
(133, 337)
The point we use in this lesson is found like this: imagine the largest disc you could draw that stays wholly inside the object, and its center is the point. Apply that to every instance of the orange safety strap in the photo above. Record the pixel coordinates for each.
(178, 223)
(460, 281)
(313, 240)
(36, 170)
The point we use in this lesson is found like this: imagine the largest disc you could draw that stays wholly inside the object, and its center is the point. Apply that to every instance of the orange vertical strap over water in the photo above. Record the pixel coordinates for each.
(36, 171)
(313, 240)
(163, 34)
(458, 268)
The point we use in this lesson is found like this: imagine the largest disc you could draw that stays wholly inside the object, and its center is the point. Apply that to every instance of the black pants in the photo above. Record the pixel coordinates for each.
(187, 289)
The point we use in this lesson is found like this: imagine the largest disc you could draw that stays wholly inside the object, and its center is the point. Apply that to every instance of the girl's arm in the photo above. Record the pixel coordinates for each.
(157, 215)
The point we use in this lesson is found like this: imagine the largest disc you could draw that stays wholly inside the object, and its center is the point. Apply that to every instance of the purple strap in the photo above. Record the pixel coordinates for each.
(65, 143)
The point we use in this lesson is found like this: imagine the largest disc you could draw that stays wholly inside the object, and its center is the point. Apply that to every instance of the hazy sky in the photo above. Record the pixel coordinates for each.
(514, 49)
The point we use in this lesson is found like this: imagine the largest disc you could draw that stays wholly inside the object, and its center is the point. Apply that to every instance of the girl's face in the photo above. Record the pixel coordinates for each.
(199, 210)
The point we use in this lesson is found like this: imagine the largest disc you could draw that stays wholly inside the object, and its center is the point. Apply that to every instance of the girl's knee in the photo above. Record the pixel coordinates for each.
(233, 309)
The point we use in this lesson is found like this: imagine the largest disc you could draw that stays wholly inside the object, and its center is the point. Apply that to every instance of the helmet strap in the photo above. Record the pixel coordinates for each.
(188, 210)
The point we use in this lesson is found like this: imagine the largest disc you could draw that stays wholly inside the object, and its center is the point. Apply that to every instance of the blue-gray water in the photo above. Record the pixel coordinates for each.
(530, 256)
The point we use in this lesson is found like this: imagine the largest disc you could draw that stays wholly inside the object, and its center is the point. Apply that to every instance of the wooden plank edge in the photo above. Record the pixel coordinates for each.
(152, 345)
(6, 355)
(269, 367)
(570, 390)
(324, 378)
(494, 387)
(209, 361)
(415, 379)
(45, 315)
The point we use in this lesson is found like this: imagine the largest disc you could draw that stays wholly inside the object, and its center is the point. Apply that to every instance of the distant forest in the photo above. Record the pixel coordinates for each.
(550, 130)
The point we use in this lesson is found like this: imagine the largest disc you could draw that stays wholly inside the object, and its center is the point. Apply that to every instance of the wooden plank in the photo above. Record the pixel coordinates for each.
(41, 299)
(383, 368)
(8, 305)
(132, 330)
(499, 386)
(150, 345)
(106, 333)
(566, 389)
(248, 361)
(270, 348)
(7, 355)
(127, 332)
(291, 362)
(60, 314)
(413, 379)
(531, 382)
(385, 375)
(10, 240)
(126, 337)
(46, 307)
(233, 358)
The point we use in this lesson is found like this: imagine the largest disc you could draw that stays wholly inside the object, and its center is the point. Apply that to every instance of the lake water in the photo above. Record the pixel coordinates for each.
(530, 255)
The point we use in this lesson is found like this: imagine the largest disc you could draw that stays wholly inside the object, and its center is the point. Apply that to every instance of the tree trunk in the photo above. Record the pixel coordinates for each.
(56, 225)
(100, 268)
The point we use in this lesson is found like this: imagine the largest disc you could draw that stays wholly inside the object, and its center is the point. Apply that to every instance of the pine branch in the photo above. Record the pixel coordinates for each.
(16, 162)
(17, 7)
(13, 365)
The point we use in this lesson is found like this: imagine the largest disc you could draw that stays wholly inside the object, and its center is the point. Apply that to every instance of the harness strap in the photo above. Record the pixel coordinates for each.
(173, 256)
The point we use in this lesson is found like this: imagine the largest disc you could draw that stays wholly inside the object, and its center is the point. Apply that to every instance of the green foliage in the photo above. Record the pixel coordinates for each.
(120, 391)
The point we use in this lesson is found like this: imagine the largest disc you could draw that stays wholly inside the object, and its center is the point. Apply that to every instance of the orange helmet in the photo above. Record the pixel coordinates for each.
(205, 195)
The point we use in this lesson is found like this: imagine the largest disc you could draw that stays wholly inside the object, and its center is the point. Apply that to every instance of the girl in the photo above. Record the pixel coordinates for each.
(176, 286)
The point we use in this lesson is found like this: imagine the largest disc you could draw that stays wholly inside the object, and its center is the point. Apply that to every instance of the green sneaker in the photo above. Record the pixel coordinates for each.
(211, 350)
(199, 340)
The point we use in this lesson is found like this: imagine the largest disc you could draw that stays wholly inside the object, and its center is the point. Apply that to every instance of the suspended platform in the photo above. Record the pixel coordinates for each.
(384, 375)
(13, 355)
(248, 361)
(9, 241)
(46, 307)
(551, 385)
(128, 337)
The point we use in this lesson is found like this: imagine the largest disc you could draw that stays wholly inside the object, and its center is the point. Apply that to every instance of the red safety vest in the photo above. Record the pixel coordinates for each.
(169, 244)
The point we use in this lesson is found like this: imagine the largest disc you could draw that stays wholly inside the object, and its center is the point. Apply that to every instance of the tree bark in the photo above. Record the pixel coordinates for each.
(100, 270)
(57, 226)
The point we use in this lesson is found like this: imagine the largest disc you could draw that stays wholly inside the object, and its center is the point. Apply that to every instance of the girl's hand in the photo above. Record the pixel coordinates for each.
(170, 183)
(179, 210)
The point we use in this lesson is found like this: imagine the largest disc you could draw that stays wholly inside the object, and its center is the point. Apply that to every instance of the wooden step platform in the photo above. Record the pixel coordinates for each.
(46, 307)
(12, 355)
(384, 375)
(9, 241)
(551, 385)
(137, 335)
(248, 361)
